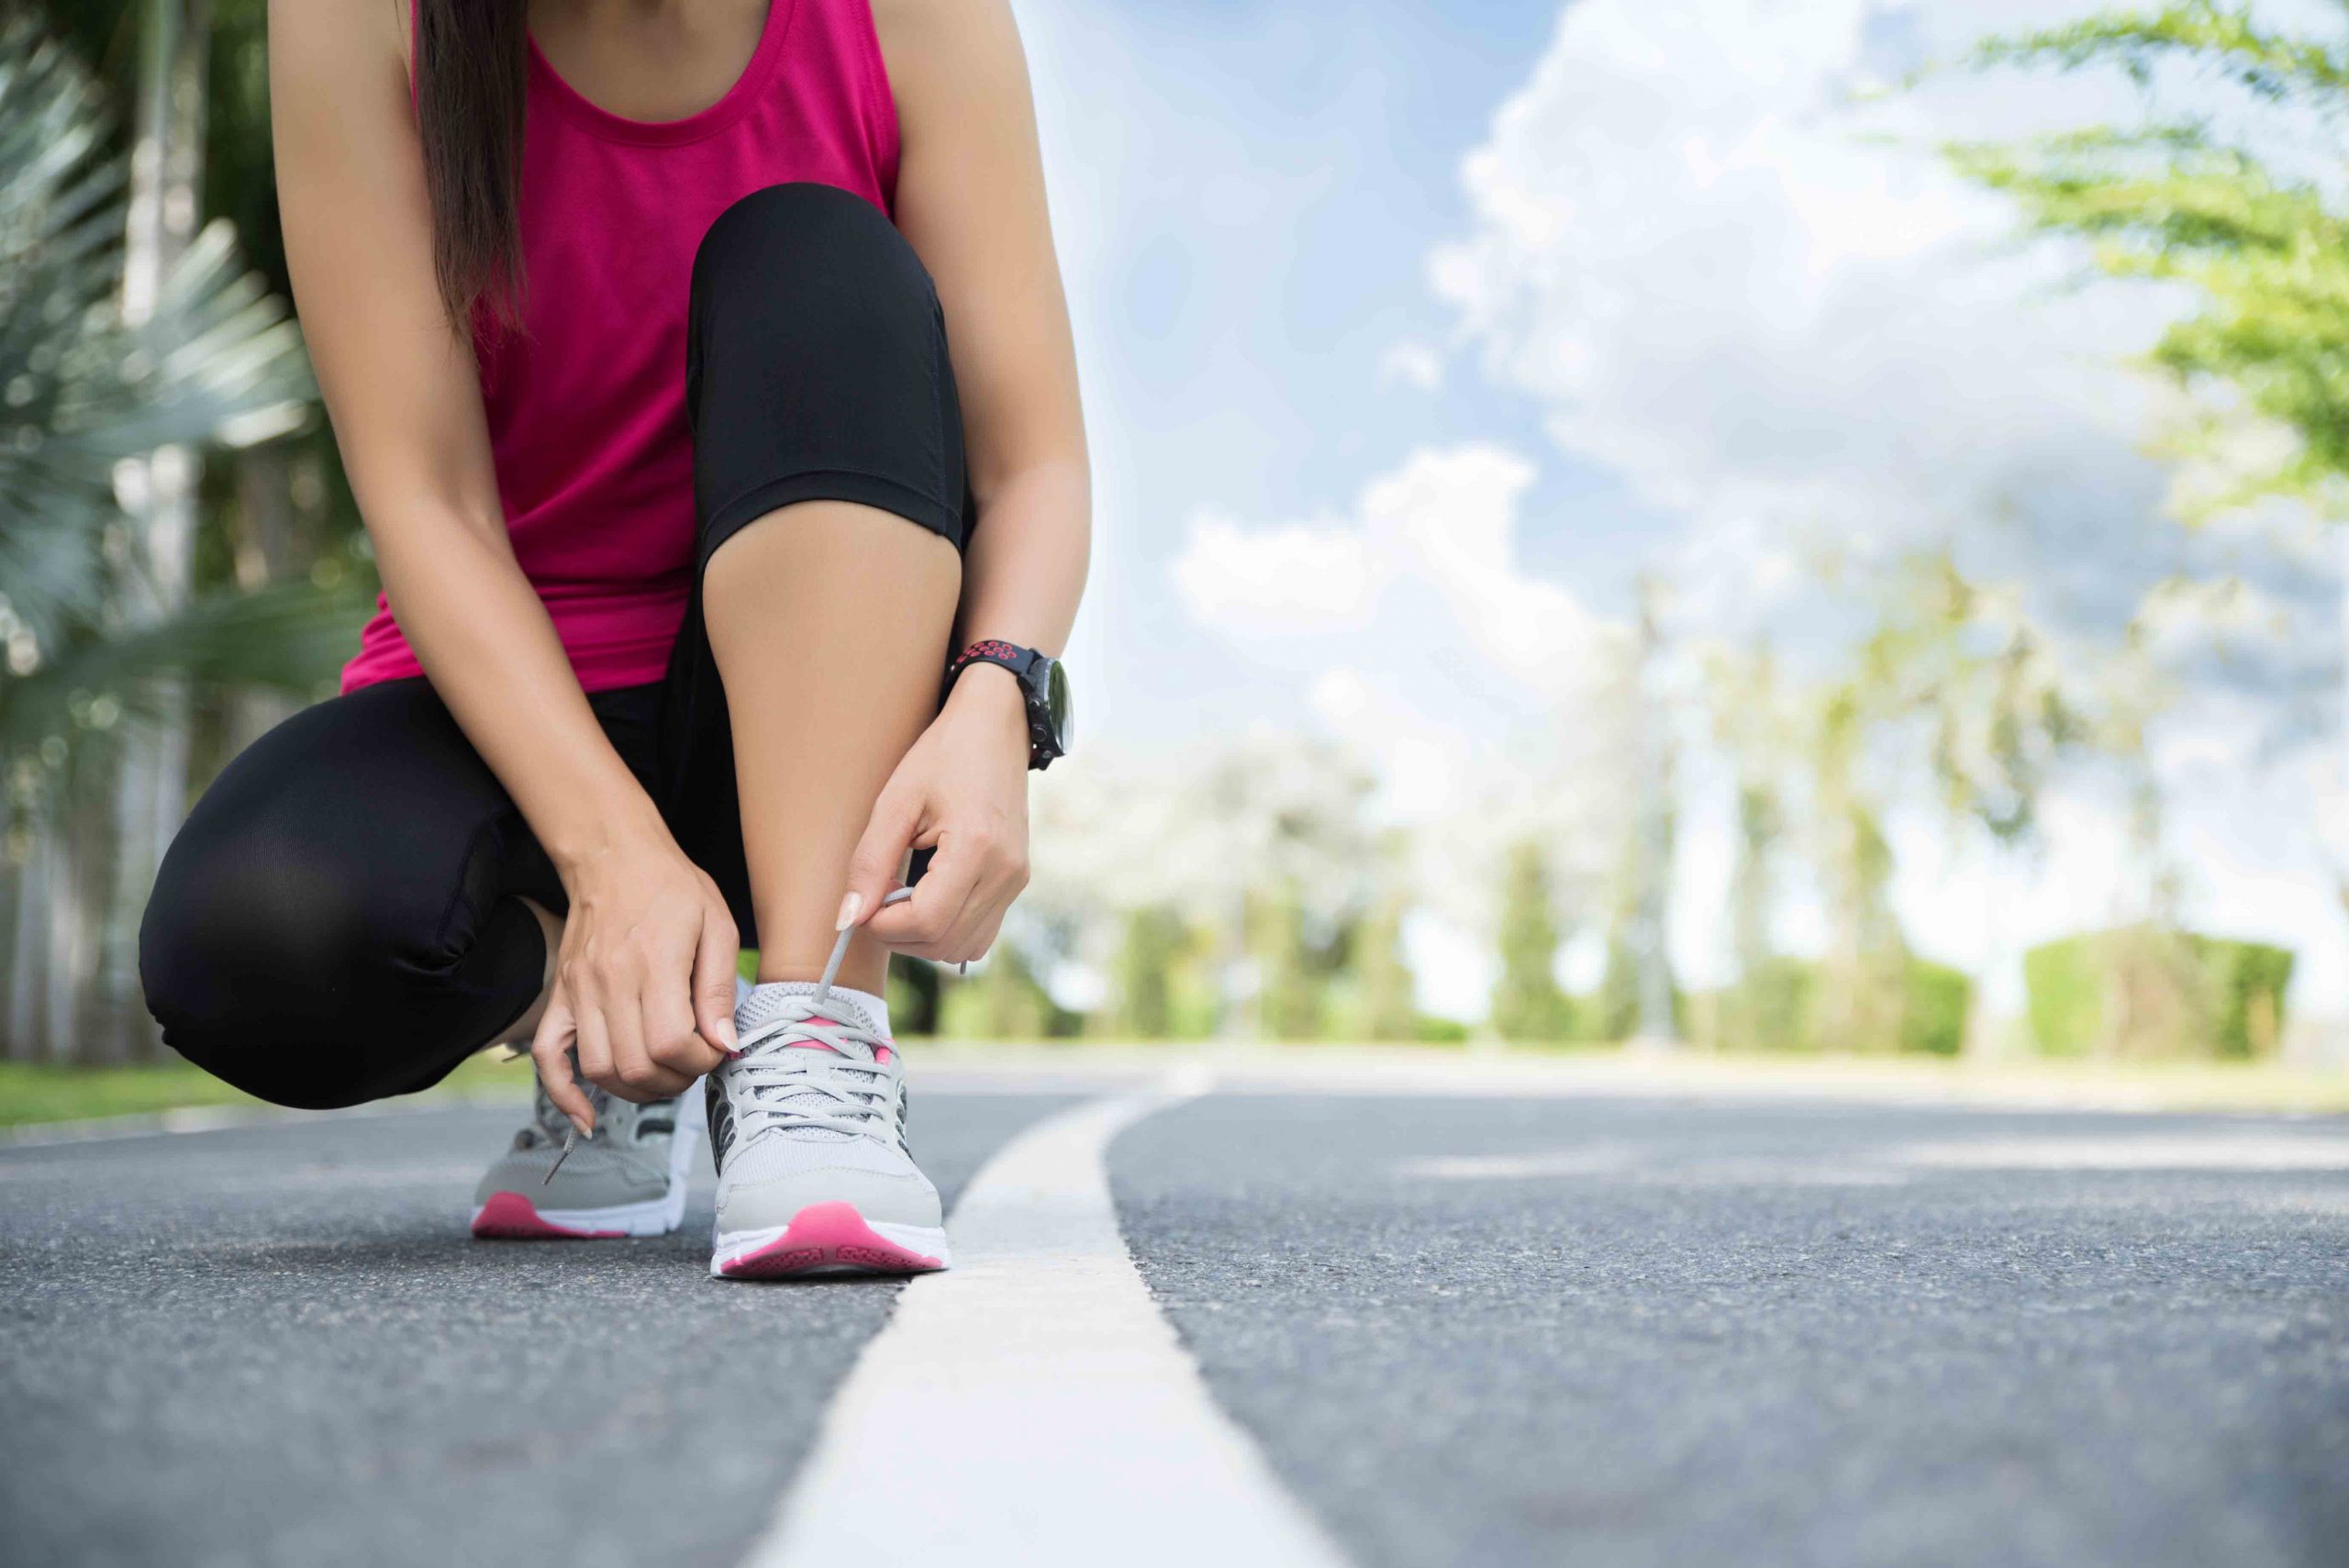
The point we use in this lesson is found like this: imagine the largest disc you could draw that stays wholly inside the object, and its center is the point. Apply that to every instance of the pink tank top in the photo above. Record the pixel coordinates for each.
(588, 404)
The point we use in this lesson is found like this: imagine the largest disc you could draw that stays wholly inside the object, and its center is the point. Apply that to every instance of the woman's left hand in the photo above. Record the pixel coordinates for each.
(963, 790)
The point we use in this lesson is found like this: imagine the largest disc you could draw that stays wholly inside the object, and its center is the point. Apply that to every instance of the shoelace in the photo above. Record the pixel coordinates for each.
(770, 1070)
(785, 1086)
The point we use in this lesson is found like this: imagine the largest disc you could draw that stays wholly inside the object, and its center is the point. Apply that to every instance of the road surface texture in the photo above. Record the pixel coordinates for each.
(1519, 1325)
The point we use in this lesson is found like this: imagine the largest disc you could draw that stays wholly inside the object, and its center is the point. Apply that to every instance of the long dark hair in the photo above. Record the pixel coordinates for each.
(471, 60)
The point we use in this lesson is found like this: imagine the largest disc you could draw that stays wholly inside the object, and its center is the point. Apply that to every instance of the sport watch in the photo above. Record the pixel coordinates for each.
(1043, 684)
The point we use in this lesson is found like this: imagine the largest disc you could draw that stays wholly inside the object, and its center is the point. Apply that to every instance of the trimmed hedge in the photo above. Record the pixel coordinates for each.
(1780, 1008)
(1939, 997)
(2145, 992)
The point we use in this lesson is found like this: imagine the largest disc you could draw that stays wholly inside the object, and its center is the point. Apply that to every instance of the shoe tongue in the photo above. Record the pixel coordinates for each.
(769, 1002)
(767, 1006)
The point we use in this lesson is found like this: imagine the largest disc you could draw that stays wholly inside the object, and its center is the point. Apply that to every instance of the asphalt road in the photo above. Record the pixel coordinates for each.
(278, 1345)
(1465, 1330)
(1694, 1333)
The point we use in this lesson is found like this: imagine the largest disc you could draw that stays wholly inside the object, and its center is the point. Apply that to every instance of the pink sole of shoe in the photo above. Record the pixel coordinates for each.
(510, 1216)
(827, 1236)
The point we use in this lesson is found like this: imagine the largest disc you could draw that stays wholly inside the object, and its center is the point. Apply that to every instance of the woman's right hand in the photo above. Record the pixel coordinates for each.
(644, 985)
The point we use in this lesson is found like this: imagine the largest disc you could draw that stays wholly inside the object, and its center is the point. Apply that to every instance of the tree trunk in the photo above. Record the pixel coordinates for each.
(1649, 931)
(28, 943)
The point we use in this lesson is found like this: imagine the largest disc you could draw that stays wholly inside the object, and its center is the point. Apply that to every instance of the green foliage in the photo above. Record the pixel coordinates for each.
(1528, 1004)
(80, 389)
(1768, 1009)
(1938, 997)
(2149, 993)
(2266, 253)
(1789, 1004)
(2066, 987)
(1144, 982)
(2253, 980)
(1003, 1001)
(1612, 1012)
(239, 180)
(1291, 982)
(31, 1094)
(915, 992)
(1383, 997)
(2269, 64)
(1429, 1029)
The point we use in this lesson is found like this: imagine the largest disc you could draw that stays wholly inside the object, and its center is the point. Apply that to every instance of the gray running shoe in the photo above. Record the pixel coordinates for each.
(809, 1125)
(627, 1180)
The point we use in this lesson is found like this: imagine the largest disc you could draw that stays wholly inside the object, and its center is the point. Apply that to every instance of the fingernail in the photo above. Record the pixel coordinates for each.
(586, 1129)
(850, 908)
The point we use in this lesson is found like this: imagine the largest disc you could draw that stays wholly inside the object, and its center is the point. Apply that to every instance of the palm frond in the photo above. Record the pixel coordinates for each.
(280, 638)
(80, 388)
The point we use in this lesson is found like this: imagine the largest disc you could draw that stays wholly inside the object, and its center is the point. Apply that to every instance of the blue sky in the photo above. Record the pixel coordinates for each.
(1262, 246)
(1412, 334)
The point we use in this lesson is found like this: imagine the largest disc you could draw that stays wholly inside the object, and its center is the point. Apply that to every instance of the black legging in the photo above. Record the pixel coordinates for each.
(339, 921)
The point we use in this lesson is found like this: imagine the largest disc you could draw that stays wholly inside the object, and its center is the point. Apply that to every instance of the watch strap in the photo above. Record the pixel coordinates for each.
(1020, 661)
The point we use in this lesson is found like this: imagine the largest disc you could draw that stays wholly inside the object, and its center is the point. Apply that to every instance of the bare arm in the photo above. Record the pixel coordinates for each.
(401, 387)
(971, 199)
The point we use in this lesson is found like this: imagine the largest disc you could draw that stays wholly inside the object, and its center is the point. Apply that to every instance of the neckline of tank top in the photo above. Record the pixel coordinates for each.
(729, 106)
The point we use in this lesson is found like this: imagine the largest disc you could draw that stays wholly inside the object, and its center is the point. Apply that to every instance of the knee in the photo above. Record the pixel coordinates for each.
(812, 315)
(248, 954)
(815, 250)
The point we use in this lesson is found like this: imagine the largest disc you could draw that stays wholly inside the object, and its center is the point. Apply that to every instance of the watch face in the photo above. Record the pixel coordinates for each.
(1057, 704)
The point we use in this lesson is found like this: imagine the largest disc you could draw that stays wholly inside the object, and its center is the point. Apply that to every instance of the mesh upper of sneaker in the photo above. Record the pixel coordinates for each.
(626, 1161)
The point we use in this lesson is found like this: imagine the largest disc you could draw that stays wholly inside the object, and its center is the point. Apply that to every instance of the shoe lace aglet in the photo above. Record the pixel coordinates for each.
(570, 1142)
(840, 946)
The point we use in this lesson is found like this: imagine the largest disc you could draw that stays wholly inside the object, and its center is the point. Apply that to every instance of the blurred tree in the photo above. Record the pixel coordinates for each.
(1644, 929)
(1259, 844)
(90, 384)
(1004, 1000)
(1144, 985)
(1528, 1004)
(2265, 250)
(1752, 722)
(1289, 983)
(2249, 222)
(1859, 1001)
(1387, 1006)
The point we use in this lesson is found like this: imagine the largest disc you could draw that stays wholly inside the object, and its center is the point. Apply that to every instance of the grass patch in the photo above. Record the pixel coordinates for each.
(31, 1093)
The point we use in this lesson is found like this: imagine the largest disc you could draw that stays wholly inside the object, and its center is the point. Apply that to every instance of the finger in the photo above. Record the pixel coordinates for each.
(595, 1043)
(982, 919)
(873, 868)
(551, 1053)
(636, 1076)
(921, 924)
(715, 957)
(671, 1029)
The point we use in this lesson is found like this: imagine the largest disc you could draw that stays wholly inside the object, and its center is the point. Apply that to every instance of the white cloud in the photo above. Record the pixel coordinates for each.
(1269, 581)
(1686, 247)
(1438, 533)
(1412, 364)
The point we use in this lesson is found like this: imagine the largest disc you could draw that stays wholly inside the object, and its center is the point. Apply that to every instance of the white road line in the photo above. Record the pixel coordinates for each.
(1031, 1406)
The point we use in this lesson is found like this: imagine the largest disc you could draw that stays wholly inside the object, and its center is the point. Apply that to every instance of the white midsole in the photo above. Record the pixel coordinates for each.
(930, 1240)
(654, 1217)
